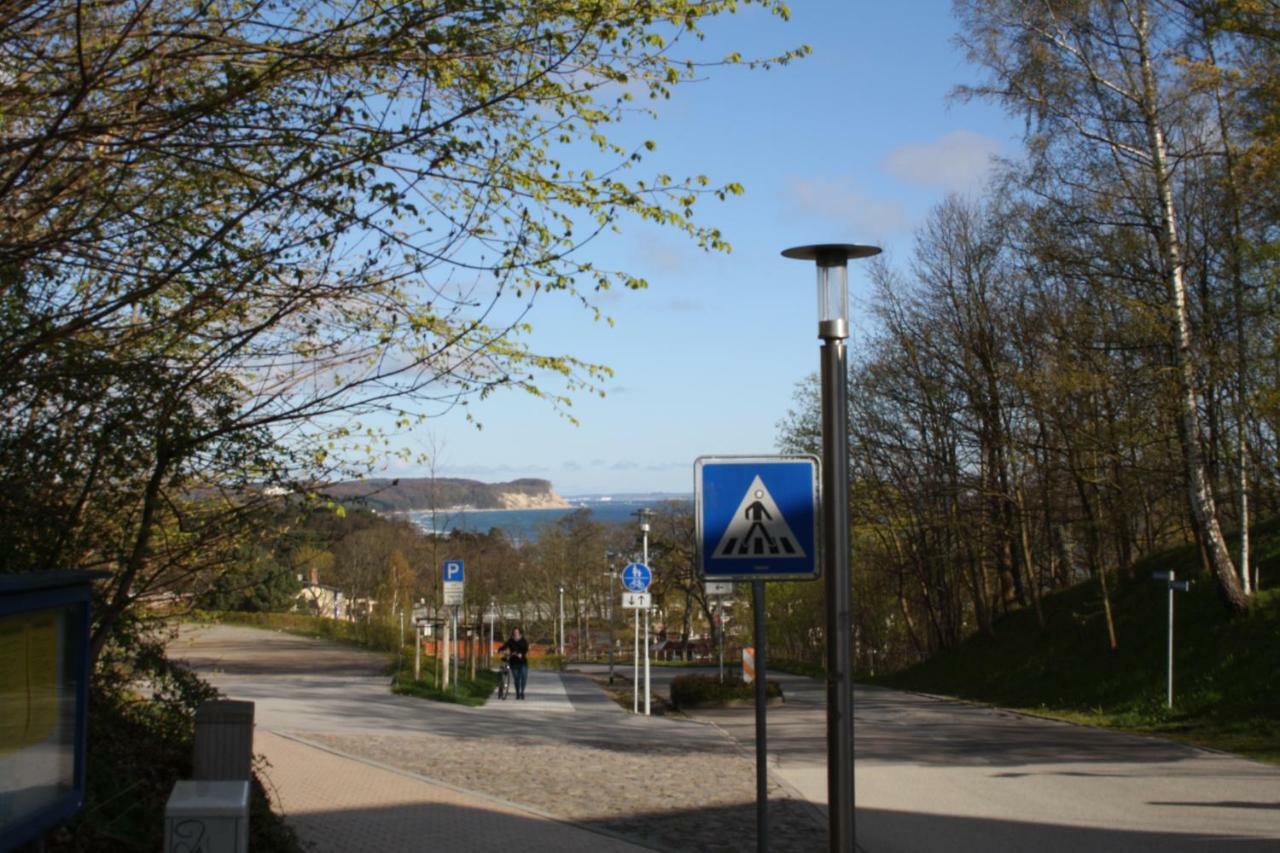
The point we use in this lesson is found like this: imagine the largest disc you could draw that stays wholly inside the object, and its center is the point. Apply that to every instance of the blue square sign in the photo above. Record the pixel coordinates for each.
(757, 517)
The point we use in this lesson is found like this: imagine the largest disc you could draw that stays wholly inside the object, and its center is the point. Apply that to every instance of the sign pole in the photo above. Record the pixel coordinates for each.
(635, 667)
(762, 752)
(646, 661)
(720, 620)
(1170, 580)
(644, 529)
(417, 653)
(1169, 696)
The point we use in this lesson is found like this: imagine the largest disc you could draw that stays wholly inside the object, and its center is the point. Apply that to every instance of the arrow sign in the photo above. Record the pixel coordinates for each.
(636, 577)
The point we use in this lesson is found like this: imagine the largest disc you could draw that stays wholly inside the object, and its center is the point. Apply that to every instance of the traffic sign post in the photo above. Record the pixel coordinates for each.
(453, 573)
(636, 578)
(720, 589)
(757, 520)
(1175, 585)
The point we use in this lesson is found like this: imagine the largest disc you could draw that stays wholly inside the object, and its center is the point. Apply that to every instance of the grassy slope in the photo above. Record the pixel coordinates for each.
(1226, 672)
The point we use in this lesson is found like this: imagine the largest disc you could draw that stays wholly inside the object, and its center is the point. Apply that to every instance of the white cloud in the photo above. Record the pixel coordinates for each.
(957, 162)
(839, 202)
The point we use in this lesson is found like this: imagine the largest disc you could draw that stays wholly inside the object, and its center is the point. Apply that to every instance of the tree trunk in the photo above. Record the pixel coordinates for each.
(1202, 501)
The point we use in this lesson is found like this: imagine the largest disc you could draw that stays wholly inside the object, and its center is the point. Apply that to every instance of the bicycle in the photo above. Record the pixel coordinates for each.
(504, 680)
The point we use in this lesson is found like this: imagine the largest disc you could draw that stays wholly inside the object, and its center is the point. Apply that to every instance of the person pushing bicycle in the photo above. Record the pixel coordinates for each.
(517, 649)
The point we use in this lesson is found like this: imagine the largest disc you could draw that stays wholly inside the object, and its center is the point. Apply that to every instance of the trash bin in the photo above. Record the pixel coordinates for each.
(207, 817)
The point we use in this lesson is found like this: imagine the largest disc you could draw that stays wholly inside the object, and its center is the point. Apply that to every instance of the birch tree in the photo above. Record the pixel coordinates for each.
(1099, 81)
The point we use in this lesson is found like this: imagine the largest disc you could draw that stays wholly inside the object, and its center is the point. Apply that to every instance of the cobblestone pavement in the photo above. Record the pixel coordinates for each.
(339, 806)
(666, 798)
(569, 752)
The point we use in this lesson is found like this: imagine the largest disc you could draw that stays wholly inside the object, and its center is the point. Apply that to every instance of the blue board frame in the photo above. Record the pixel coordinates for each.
(721, 484)
(30, 594)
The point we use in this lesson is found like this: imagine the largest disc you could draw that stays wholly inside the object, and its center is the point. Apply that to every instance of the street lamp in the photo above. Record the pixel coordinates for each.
(832, 261)
(561, 621)
(610, 592)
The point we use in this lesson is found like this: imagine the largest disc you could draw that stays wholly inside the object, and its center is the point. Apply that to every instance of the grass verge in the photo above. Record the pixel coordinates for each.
(369, 635)
(472, 693)
(1226, 671)
(707, 691)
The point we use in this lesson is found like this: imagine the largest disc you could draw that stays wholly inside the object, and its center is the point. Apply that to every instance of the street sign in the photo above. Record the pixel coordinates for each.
(757, 517)
(636, 577)
(748, 665)
(454, 578)
(719, 588)
(636, 600)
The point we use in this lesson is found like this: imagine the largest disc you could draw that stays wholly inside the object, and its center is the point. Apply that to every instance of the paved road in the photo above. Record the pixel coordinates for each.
(566, 753)
(949, 776)
(931, 775)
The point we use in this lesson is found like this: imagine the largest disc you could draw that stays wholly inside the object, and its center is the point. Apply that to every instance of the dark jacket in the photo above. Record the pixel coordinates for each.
(518, 651)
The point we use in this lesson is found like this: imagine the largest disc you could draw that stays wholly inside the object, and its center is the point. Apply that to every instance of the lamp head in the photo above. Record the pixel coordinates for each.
(832, 260)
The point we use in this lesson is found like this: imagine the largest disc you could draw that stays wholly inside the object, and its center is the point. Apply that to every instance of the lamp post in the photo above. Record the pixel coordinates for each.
(561, 621)
(832, 260)
(644, 514)
(610, 592)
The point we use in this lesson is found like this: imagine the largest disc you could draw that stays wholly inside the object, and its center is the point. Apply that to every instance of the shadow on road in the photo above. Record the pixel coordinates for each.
(730, 830)
(882, 831)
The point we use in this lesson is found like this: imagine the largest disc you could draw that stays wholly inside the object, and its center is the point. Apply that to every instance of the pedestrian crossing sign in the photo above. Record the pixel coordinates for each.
(757, 517)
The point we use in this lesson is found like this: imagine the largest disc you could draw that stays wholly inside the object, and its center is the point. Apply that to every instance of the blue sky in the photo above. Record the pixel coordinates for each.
(854, 143)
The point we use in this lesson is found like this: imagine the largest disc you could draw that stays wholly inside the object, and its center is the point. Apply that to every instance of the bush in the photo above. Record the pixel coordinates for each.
(555, 662)
(372, 635)
(700, 691)
(139, 747)
(472, 693)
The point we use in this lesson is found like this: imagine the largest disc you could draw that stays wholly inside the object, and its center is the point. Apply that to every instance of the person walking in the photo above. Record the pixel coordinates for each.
(517, 649)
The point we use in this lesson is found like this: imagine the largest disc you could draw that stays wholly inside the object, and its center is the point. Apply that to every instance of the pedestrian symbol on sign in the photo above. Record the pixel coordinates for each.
(757, 528)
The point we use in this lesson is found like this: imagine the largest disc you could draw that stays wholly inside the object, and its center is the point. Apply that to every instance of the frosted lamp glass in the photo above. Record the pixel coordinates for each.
(833, 290)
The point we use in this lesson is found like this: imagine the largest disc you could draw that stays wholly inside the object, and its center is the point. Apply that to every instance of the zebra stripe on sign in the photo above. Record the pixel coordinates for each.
(757, 529)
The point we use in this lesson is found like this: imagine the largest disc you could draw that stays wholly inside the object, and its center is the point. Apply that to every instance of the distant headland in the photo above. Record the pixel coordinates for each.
(446, 493)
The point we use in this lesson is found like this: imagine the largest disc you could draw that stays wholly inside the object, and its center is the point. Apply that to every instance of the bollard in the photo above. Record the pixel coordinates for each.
(224, 741)
(207, 817)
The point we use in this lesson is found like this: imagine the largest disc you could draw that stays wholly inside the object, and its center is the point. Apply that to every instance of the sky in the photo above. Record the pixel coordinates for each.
(852, 144)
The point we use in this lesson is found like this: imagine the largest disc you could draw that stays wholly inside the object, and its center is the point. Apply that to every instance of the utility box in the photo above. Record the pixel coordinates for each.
(207, 817)
(224, 741)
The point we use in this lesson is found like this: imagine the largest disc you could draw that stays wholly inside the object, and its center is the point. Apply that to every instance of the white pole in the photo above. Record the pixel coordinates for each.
(1169, 697)
(444, 658)
(635, 667)
(646, 661)
(561, 621)
(645, 528)
(720, 628)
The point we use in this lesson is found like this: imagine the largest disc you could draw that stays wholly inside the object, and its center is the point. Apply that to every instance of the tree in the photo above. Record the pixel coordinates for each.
(231, 234)
(1100, 83)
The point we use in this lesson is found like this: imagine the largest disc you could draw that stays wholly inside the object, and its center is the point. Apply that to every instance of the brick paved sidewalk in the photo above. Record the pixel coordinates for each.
(339, 804)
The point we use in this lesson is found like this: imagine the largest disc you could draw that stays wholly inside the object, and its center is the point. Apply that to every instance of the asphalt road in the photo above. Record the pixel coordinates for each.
(937, 775)
(931, 775)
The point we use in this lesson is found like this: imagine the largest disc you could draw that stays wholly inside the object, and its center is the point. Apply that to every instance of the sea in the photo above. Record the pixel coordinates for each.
(523, 525)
